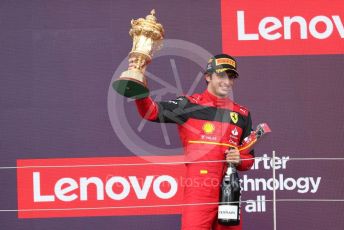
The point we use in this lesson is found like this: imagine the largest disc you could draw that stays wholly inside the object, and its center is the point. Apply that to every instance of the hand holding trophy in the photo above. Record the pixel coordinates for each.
(147, 35)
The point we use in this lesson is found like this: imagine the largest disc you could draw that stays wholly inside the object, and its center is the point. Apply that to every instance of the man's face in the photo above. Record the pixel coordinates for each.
(220, 84)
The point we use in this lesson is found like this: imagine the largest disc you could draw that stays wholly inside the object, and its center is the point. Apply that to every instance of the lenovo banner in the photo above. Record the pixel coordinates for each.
(98, 187)
(261, 28)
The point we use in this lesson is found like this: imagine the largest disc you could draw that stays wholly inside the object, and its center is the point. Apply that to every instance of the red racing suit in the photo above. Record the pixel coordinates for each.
(207, 126)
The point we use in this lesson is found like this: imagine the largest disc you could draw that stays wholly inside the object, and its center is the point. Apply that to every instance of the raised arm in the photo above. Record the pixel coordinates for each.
(174, 111)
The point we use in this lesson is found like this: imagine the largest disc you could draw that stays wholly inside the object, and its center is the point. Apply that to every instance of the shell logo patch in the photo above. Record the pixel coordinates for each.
(208, 127)
(234, 117)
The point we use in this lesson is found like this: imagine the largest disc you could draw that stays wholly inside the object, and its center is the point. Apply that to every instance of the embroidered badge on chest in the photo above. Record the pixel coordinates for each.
(234, 117)
(208, 128)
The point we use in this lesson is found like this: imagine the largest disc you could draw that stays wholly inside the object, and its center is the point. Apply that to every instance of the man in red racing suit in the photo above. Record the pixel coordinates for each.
(208, 124)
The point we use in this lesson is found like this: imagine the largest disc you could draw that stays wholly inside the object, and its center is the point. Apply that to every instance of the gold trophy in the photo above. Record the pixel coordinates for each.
(147, 35)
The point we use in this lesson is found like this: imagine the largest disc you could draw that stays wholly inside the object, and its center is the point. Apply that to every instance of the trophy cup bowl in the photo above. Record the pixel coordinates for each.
(147, 35)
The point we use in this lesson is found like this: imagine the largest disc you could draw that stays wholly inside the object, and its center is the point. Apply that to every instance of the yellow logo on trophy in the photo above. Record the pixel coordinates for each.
(147, 35)
(208, 128)
(234, 117)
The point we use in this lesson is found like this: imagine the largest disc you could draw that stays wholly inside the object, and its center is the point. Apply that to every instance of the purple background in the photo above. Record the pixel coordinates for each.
(56, 63)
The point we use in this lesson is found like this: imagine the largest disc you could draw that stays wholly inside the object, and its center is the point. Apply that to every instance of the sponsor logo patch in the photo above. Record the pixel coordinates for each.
(227, 61)
(234, 117)
(235, 132)
(208, 128)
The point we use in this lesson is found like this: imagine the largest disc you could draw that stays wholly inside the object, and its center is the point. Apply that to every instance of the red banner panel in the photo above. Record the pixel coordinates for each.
(263, 28)
(99, 187)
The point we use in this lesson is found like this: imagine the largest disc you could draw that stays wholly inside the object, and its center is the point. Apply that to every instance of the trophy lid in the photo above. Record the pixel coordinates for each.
(147, 26)
(151, 16)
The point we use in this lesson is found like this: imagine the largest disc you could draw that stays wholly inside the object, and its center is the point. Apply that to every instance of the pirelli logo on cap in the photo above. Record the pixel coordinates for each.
(227, 61)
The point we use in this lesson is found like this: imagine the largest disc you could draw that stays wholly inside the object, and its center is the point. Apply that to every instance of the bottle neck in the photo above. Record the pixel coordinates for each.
(230, 169)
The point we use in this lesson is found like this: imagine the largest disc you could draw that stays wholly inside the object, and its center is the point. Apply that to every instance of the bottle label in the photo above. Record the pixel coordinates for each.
(228, 212)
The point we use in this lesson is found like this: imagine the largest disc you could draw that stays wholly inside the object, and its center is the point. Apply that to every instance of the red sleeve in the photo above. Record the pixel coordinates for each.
(147, 108)
(247, 155)
(247, 160)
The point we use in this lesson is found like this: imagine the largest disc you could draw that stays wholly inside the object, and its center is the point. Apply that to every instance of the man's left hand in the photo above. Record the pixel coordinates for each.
(233, 156)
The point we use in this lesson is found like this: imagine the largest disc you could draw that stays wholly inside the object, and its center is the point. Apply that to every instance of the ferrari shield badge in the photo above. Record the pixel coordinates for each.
(234, 117)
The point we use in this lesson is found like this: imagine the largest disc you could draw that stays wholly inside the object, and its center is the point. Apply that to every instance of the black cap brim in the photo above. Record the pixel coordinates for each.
(229, 70)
